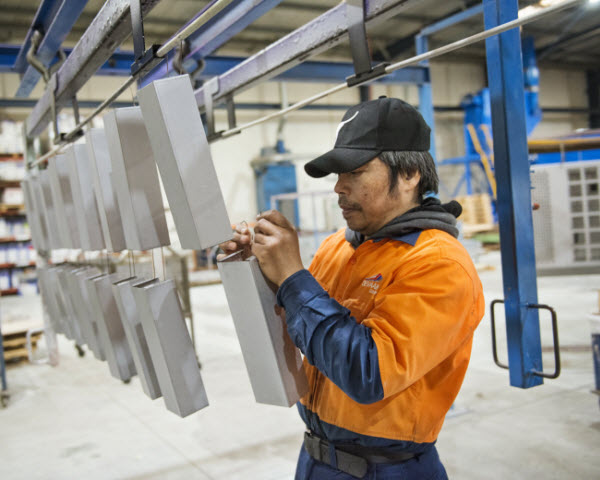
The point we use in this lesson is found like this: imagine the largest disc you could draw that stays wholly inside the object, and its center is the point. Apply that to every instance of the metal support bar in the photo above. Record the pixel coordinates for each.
(505, 79)
(593, 93)
(322, 33)
(54, 19)
(452, 20)
(425, 93)
(359, 46)
(108, 30)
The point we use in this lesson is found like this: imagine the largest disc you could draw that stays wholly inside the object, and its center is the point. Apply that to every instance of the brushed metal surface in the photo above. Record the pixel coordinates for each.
(60, 185)
(184, 160)
(170, 346)
(273, 362)
(110, 328)
(132, 324)
(84, 199)
(135, 180)
(106, 197)
(81, 304)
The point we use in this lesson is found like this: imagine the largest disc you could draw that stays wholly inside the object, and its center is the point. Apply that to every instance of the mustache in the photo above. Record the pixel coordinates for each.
(343, 203)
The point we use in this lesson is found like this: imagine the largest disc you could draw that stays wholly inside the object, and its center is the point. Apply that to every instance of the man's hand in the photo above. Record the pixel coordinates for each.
(276, 246)
(242, 240)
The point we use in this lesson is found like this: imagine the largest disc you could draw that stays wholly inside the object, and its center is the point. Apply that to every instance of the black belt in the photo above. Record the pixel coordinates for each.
(351, 459)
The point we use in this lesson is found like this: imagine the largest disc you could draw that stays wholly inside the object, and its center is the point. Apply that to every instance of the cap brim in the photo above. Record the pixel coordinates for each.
(339, 160)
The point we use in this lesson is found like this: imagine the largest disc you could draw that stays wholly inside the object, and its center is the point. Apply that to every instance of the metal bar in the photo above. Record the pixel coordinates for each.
(55, 30)
(425, 93)
(593, 91)
(411, 61)
(452, 20)
(207, 38)
(505, 77)
(322, 33)
(108, 30)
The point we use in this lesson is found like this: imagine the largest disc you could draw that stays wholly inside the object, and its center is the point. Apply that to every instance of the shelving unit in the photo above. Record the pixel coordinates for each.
(13, 213)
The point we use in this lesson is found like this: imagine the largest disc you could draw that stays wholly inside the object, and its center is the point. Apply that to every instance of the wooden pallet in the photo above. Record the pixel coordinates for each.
(15, 345)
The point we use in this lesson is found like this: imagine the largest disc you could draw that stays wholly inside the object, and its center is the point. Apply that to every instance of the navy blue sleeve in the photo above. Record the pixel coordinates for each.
(330, 337)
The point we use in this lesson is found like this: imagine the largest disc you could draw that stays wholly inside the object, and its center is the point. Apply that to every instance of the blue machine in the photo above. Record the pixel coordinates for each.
(275, 178)
(478, 132)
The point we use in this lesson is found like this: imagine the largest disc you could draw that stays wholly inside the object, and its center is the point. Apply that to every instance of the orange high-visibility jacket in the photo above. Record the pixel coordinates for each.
(386, 330)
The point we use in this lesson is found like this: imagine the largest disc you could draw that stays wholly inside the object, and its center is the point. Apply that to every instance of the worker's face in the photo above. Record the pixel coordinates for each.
(365, 198)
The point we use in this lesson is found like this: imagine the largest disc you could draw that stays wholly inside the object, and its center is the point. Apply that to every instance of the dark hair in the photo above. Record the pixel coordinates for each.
(409, 163)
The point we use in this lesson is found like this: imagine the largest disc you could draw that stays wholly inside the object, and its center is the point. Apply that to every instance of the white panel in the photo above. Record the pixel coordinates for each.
(51, 213)
(183, 156)
(110, 328)
(273, 362)
(135, 180)
(33, 218)
(170, 346)
(62, 196)
(132, 324)
(86, 210)
(106, 198)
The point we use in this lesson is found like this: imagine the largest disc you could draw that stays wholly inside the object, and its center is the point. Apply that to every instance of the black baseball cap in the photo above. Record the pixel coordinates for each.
(369, 128)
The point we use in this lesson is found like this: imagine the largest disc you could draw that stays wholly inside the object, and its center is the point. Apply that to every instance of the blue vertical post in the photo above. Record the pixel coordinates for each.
(425, 95)
(505, 78)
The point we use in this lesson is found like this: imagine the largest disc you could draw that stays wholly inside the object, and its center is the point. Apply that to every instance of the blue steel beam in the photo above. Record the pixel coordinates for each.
(120, 64)
(452, 20)
(425, 94)
(208, 38)
(319, 35)
(55, 25)
(505, 78)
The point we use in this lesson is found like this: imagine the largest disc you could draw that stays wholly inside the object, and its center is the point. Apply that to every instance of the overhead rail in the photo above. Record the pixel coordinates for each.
(390, 68)
(108, 30)
(52, 23)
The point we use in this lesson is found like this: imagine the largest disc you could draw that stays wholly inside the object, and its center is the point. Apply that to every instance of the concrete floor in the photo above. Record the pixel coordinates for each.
(76, 421)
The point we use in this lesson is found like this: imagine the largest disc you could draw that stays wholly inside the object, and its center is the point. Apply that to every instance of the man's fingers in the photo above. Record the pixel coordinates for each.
(265, 227)
(276, 218)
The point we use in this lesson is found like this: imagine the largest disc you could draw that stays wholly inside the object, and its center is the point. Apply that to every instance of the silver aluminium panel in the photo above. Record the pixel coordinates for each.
(86, 211)
(123, 292)
(170, 346)
(106, 197)
(135, 180)
(273, 362)
(184, 160)
(62, 196)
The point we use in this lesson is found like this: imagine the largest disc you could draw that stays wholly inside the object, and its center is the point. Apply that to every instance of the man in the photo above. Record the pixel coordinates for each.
(385, 314)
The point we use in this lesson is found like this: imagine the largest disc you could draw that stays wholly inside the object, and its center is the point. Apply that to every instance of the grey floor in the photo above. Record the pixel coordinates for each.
(76, 421)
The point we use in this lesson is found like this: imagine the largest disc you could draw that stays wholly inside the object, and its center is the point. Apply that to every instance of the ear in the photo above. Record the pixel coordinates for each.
(412, 181)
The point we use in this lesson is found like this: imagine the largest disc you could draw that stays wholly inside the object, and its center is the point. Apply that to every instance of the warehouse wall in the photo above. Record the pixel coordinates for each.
(309, 133)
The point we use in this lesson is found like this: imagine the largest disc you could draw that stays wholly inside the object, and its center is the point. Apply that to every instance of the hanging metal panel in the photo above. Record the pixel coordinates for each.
(86, 210)
(135, 180)
(170, 346)
(273, 362)
(62, 197)
(87, 306)
(183, 156)
(49, 300)
(38, 206)
(106, 197)
(54, 290)
(110, 327)
(64, 294)
(37, 236)
(80, 303)
(51, 213)
(123, 292)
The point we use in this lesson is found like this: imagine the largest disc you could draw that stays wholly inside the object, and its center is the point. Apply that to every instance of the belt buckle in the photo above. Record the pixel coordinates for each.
(346, 462)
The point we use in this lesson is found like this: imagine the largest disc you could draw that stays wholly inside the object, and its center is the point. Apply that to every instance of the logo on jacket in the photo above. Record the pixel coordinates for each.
(372, 283)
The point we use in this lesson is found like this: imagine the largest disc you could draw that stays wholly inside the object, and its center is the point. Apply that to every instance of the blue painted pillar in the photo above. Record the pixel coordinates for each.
(505, 78)
(425, 95)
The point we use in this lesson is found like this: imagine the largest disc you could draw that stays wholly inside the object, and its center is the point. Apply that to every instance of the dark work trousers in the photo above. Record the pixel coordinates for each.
(424, 467)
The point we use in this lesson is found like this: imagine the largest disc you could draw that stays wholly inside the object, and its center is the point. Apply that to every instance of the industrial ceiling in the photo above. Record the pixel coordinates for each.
(569, 37)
